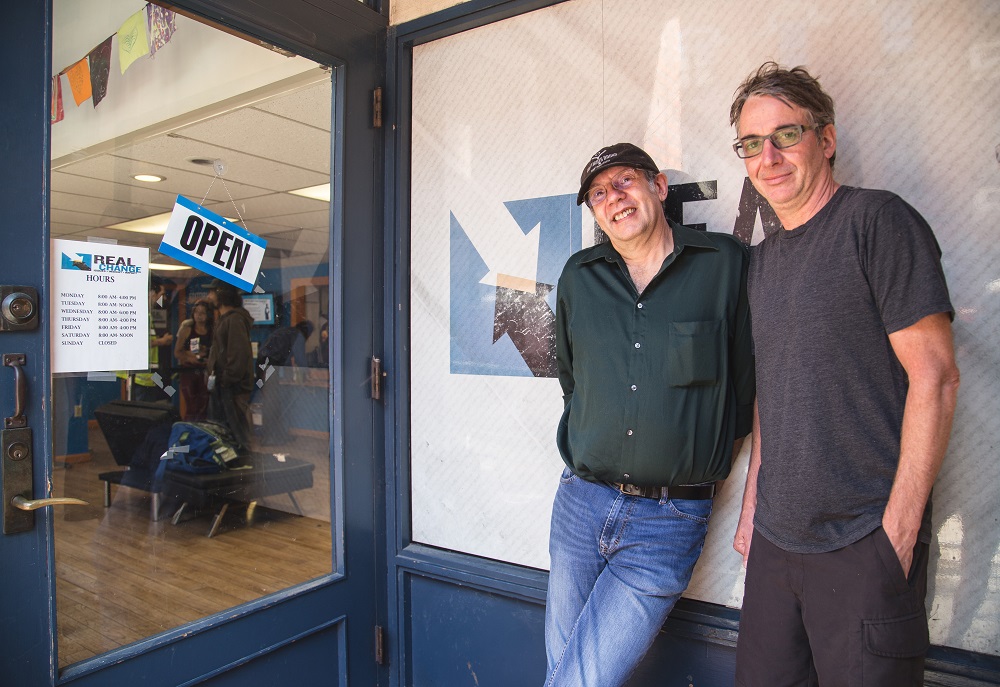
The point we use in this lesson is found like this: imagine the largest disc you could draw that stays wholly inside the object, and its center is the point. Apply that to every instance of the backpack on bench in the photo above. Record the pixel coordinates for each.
(202, 447)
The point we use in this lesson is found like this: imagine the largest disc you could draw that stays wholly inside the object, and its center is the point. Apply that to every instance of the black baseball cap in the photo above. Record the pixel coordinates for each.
(618, 155)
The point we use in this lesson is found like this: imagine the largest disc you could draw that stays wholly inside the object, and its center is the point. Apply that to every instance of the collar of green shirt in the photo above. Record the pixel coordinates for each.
(684, 237)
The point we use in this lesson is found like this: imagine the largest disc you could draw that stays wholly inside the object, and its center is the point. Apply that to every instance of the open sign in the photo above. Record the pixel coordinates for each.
(211, 243)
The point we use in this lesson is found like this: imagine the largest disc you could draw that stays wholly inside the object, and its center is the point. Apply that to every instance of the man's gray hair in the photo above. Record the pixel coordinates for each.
(794, 86)
(651, 179)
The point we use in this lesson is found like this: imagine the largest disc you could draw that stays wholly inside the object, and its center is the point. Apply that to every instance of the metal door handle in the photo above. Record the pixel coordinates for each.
(16, 360)
(34, 504)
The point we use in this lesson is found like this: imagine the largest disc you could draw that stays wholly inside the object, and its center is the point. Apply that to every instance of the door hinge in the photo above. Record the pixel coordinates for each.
(377, 108)
(378, 374)
(379, 645)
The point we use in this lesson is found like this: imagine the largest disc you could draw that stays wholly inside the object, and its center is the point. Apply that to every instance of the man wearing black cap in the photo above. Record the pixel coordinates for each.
(230, 362)
(655, 363)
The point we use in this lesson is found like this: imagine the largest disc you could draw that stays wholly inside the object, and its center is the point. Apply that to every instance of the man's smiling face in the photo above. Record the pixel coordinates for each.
(631, 215)
(796, 180)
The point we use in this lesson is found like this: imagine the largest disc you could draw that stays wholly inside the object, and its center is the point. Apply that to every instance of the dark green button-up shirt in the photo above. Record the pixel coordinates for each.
(657, 385)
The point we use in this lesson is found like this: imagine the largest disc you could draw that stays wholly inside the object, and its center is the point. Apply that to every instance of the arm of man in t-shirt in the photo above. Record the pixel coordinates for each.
(926, 351)
(744, 529)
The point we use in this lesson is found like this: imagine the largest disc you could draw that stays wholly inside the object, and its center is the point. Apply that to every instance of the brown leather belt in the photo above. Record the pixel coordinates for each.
(683, 491)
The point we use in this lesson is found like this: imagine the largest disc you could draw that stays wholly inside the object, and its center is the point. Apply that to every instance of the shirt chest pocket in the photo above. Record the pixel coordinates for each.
(695, 353)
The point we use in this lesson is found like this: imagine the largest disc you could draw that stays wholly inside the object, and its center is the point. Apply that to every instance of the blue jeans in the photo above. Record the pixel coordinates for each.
(618, 565)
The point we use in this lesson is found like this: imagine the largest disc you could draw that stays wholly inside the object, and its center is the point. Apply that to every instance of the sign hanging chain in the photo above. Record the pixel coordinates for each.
(220, 169)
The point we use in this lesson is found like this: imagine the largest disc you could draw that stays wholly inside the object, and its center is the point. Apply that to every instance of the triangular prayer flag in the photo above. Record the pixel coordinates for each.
(161, 27)
(57, 113)
(79, 81)
(132, 41)
(100, 66)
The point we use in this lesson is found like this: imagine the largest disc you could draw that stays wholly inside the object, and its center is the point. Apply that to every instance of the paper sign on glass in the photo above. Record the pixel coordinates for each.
(211, 243)
(100, 307)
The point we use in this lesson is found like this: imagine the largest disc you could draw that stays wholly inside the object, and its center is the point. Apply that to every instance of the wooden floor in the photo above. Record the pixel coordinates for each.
(121, 577)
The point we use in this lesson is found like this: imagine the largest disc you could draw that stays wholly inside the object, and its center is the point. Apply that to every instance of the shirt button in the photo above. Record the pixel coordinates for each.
(629, 432)
(634, 387)
(638, 345)
(639, 306)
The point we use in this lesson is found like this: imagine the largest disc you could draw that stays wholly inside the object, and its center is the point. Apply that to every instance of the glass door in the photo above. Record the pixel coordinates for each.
(194, 404)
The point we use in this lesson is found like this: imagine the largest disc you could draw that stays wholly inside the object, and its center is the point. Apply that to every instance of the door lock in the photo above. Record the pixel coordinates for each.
(16, 470)
(18, 308)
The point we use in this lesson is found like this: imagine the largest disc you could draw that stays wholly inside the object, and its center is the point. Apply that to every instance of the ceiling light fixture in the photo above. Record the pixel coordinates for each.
(164, 267)
(149, 178)
(321, 192)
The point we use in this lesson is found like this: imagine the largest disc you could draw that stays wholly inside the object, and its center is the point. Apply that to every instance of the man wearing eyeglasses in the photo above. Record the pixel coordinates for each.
(856, 390)
(654, 359)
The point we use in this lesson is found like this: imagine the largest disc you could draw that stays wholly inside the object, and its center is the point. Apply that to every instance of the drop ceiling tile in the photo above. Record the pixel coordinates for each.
(173, 151)
(191, 181)
(84, 219)
(312, 106)
(266, 136)
(135, 192)
(126, 238)
(61, 230)
(305, 220)
(90, 205)
(270, 206)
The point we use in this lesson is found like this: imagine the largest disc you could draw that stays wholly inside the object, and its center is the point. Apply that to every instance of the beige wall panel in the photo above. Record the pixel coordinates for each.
(404, 10)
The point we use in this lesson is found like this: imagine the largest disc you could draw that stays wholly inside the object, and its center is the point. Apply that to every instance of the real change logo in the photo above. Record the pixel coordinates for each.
(87, 262)
(76, 261)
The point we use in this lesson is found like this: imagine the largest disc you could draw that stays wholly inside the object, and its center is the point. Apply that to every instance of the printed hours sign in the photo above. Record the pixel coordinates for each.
(100, 307)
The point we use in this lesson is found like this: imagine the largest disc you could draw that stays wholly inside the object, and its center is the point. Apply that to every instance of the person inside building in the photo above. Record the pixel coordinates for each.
(286, 346)
(857, 386)
(149, 386)
(193, 343)
(320, 356)
(281, 364)
(654, 358)
(230, 362)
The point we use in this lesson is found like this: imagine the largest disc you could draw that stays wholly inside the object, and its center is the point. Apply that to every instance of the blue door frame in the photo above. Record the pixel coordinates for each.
(320, 632)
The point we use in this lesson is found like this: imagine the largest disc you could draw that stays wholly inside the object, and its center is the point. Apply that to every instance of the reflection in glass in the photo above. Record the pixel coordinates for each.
(158, 548)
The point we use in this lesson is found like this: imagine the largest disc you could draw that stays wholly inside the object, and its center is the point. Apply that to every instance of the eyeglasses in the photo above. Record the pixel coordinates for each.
(623, 181)
(782, 138)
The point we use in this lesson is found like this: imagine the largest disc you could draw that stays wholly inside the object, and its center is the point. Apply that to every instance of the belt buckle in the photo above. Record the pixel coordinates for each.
(627, 489)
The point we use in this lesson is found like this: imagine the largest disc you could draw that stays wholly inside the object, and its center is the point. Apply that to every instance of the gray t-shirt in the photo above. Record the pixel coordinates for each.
(823, 299)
